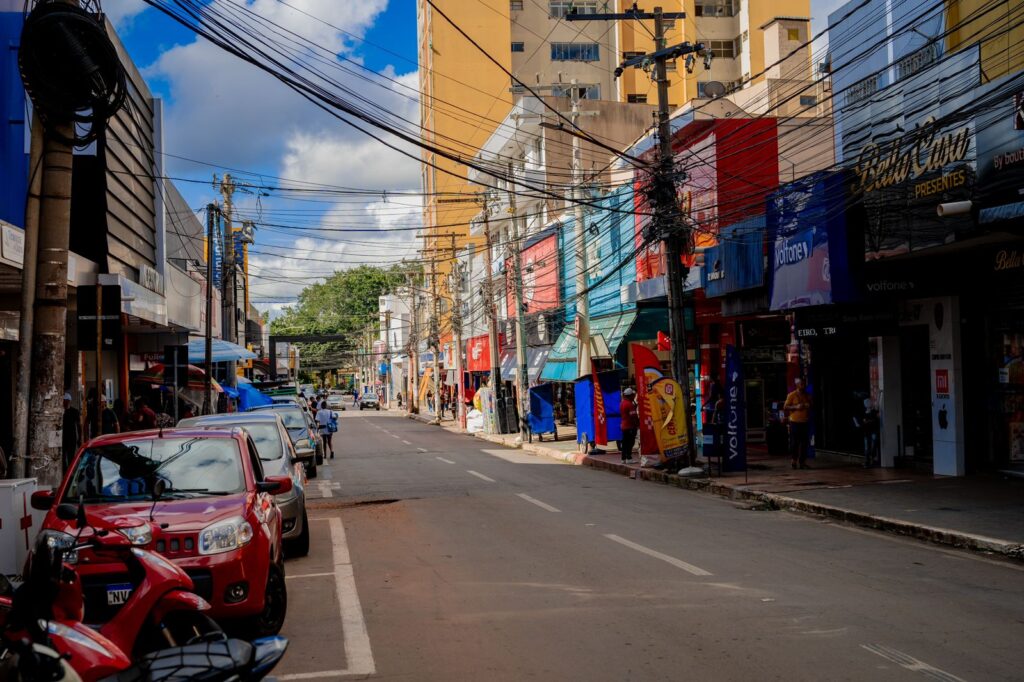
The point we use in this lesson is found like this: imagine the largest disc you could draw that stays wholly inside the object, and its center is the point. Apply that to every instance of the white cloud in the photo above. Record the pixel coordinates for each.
(121, 12)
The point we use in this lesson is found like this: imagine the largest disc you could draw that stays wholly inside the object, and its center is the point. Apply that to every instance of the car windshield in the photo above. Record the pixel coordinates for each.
(292, 417)
(127, 471)
(264, 434)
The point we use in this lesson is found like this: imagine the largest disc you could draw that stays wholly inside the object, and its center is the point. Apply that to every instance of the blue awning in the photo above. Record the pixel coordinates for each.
(1004, 212)
(223, 351)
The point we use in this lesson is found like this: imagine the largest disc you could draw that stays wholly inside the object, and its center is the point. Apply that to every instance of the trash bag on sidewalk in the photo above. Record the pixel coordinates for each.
(474, 421)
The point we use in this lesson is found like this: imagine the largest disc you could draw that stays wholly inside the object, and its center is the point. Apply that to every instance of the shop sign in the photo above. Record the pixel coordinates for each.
(539, 268)
(1008, 259)
(942, 384)
(881, 166)
(736, 413)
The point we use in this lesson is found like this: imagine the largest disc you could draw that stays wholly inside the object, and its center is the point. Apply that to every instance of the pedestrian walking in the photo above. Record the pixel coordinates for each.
(798, 413)
(630, 423)
(108, 418)
(398, 397)
(71, 431)
(327, 420)
(143, 417)
(869, 422)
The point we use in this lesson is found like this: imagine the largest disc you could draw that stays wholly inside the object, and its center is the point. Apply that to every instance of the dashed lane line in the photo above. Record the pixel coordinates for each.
(480, 476)
(446, 461)
(534, 500)
(422, 449)
(678, 563)
(407, 442)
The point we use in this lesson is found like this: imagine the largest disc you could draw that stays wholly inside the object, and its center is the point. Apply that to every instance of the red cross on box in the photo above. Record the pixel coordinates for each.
(26, 520)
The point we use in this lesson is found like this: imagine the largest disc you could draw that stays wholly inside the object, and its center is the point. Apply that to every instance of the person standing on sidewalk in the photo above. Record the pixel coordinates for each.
(71, 430)
(630, 423)
(798, 411)
(870, 424)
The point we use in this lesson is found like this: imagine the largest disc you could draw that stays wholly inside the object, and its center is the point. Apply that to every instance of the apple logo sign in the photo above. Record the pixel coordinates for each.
(943, 418)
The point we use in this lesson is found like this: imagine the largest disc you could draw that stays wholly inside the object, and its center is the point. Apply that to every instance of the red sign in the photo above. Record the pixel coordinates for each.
(942, 382)
(540, 277)
(478, 353)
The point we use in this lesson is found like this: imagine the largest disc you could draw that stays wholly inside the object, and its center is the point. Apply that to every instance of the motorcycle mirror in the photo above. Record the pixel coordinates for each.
(67, 512)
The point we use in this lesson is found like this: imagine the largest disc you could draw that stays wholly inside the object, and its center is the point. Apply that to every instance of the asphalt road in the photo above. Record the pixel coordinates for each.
(440, 557)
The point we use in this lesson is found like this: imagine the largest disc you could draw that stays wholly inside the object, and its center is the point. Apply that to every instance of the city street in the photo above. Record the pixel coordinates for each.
(474, 562)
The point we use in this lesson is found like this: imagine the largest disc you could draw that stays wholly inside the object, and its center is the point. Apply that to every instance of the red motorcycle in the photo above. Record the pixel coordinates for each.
(161, 625)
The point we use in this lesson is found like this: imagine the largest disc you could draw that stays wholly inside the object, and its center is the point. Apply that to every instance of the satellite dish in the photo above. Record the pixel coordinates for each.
(713, 89)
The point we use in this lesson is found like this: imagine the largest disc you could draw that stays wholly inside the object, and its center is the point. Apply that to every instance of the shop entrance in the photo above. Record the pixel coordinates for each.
(915, 370)
(839, 395)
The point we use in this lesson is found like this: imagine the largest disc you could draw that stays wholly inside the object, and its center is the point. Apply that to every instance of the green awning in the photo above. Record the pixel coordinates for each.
(606, 334)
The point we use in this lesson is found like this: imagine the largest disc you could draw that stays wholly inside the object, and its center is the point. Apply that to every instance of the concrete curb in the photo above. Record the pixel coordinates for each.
(940, 536)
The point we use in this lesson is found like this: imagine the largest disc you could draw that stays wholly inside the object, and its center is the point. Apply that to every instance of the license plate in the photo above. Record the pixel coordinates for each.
(118, 594)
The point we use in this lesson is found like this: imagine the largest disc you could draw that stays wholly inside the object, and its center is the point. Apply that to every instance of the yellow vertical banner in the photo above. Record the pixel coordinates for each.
(425, 383)
(665, 400)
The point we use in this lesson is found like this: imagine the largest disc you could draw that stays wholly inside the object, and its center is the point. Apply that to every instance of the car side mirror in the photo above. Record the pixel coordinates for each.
(67, 512)
(275, 485)
(43, 500)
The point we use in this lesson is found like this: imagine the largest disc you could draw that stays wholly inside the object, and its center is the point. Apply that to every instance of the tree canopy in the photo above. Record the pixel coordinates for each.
(345, 303)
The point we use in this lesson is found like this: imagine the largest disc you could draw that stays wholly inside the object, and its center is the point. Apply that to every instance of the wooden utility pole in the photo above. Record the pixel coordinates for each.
(490, 308)
(456, 319)
(51, 307)
(515, 251)
(229, 286)
(435, 335)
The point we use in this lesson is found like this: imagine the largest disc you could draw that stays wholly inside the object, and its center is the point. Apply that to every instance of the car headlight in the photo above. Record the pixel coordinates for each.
(225, 536)
(54, 540)
(139, 535)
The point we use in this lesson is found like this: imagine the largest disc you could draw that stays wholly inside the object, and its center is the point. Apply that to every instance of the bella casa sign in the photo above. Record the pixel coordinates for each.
(880, 166)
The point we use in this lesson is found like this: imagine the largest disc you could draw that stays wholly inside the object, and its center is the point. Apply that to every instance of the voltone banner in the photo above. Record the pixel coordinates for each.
(666, 404)
(647, 369)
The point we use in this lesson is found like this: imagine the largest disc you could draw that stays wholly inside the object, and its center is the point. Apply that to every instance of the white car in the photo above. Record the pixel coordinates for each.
(368, 401)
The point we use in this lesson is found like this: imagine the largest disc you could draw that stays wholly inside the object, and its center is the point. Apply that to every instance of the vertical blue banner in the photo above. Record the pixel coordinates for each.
(735, 413)
(584, 396)
(542, 409)
(610, 383)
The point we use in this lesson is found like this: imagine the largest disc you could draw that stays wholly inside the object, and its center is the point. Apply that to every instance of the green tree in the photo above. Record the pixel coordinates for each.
(345, 303)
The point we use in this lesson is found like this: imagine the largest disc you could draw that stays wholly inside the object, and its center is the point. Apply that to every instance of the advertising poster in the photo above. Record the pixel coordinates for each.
(584, 397)
(665, 400)
(735, 458)
(600, 414)
(539, 263)
(425, 383)
(647, 369)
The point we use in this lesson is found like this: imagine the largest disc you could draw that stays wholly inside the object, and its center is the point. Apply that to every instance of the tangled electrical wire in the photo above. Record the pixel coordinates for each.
(70, 69)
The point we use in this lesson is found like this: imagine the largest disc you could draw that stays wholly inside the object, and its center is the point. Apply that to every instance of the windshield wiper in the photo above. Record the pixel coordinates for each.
(203, 491)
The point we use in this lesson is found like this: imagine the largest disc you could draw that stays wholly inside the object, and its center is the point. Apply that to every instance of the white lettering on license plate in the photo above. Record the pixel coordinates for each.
(118, 594)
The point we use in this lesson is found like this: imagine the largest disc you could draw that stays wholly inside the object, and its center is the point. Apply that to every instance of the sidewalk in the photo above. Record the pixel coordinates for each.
(982, 512)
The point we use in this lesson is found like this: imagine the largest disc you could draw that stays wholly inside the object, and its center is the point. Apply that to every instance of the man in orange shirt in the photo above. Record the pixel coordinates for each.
(798, 411)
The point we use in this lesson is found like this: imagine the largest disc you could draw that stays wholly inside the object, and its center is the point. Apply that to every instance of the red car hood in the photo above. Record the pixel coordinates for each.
(188, 515)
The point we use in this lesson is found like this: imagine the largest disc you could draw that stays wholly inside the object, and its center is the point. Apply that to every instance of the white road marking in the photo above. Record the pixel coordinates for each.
(678, 563)
(307, 575)
(542, 505)
(393, 435)
(407, 442)
(910, 663)
(480, 476)
(446, 461)
(422, 449)
(325, 488)
(520, 457)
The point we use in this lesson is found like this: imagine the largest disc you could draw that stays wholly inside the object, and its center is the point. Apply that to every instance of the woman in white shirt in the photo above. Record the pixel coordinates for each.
(324, 417)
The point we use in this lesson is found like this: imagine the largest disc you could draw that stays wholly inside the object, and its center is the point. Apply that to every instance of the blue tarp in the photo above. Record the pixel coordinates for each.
(249, 397)
(542, 411)
(584, 395)
(223, 351)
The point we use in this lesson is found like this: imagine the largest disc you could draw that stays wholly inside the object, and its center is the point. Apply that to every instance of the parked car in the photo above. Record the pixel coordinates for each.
(368, 401)
(218, 519)
(277, 453)
(309, 447)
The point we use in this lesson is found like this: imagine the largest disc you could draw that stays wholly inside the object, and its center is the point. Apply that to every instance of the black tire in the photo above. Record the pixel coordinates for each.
(311, 469)
(299, 546)
(378, 408)
(269, 621)
(360, 408)
(184, 627)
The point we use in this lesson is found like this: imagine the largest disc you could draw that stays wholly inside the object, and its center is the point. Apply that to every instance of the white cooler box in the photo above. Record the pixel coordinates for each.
(19, 523)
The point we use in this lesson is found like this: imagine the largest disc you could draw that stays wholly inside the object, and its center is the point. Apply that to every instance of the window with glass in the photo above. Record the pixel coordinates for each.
(515, 5)
(128, 471)
(722, 49)
(583, 92)
(636, 99)
(575, 52)
(560, 8)
(518, 47)
(793, 35)
(716, 8)
(808, 100)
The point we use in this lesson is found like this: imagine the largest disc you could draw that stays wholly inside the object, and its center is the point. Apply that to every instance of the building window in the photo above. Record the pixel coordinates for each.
(560, 8)
(722, 49)
(916, 61)
(518, 47)
(793, 35)
(515, 5)
(862, 90)
(584, 92)
(716, 8)
(517, 88)
(575, 52)
(636, 99)
(808, 101)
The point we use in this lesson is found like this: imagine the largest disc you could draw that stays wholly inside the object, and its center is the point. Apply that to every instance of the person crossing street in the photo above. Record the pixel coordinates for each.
(327, 420)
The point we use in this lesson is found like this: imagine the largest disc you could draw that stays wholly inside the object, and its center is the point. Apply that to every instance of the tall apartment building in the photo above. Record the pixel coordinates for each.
(466, 96)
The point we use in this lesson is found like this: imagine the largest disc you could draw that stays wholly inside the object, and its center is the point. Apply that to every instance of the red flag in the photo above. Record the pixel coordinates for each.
(664, 341)
(600, 415)
(646, 368)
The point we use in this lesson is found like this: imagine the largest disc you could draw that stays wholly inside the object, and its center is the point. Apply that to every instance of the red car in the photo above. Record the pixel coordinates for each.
(217, 519)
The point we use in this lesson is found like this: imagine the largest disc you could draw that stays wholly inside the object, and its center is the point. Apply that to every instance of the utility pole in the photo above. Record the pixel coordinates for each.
(23, 394)
(412, 384)
(227, 188)
(435, 335)
(490, 308)
(211, 218)
(387, 356)
(456, 318)
(51, 307)
(515, 251)
(666, 222)
(584, 364)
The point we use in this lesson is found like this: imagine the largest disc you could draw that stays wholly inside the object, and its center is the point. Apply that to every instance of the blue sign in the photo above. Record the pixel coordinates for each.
(735, 413)
(383, 369)
(218, 251)
(584, 402)
(737, 262)
(542, 409)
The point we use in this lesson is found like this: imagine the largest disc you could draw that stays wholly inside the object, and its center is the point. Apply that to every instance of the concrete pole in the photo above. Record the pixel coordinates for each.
(22, 394)
(456, 317)
(490, 309)
(211, 218)
(515, 248)
(227, 190)
(435, 337)
(584, 364)
(51, 306)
